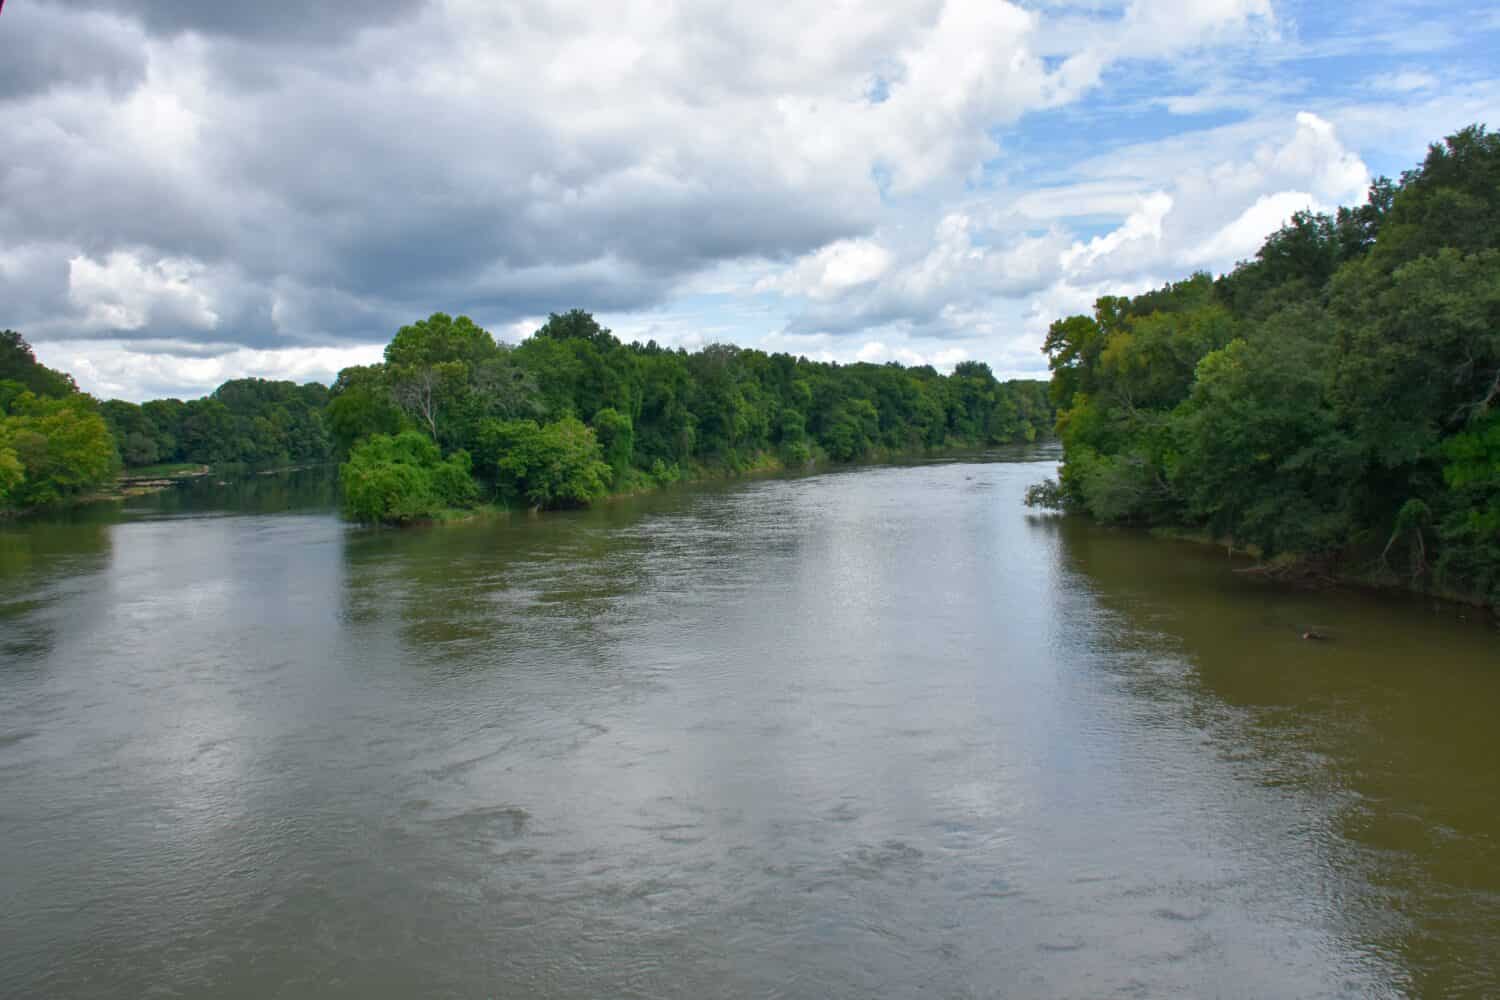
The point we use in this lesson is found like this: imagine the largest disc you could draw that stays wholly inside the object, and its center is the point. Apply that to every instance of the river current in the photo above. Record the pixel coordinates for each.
(876, 733)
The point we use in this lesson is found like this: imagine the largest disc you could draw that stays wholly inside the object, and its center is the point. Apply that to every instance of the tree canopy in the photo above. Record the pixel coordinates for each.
(19, 366)
(1336, 398)
(560, 419)
(54, 445)
(246, 421)
(402, 477)
(573, 412)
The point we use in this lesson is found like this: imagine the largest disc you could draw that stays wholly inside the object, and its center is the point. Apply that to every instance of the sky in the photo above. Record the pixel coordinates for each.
(192, 191)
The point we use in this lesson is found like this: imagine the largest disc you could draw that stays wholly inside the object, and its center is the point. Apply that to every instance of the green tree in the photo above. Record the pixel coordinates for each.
(359, 406)
(1333, 398)
(1470, 526)
(1260, 457)
(430, 365)
(576, 324)
(393, 479)
(655, 412)
(852, 430)
(18, 364)
(616, 439)
(63, 446)
(12, 473)
(439, 339)
(133, 431)
(557, 465)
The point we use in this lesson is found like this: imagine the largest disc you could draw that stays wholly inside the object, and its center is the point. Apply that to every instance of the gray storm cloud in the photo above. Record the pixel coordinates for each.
(401, 157)
(264, 20)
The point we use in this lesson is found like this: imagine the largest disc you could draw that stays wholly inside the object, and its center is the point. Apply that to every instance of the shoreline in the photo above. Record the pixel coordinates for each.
(131, 483)
(1294, 570)
(765, 465)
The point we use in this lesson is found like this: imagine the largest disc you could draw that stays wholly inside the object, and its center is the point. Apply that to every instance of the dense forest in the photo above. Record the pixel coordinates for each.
(453, 417)
(572, 413)
(246, 421)
(1331, 404)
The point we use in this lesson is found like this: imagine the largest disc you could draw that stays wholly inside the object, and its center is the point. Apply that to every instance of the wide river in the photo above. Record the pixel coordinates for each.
(879, 733)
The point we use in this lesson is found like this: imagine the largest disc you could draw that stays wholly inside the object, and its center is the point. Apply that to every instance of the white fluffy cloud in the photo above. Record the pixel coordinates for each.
(1215, 214)
(1138, 239)
(125, 293)
(831, 270)
(138, 371)
(989, 277)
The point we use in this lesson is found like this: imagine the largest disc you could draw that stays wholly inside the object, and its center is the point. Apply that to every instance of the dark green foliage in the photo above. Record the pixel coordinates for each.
(616, 439)
(1255, 453)
(19, 365)
(361, 404)
(393, 479)
(654, 412)
(852, 429)
(247, 421)
(575, 324)
(439, 339)
(1336, 397)
(1448, 202)
(1470, 528)
(556, 465)
(447, 375)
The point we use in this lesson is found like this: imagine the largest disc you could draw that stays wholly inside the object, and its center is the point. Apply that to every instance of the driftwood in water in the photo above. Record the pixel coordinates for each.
(1307, 572)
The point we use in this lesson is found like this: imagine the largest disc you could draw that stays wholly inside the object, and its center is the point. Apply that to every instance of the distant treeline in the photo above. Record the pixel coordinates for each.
(1334, 402)
(567, 416)
(572, 413)
(247, 421)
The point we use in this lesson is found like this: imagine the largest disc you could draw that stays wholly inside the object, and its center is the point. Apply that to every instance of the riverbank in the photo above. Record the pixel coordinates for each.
(1299, 570)
(761, 465)
(133, 483)
(148, 480)
(155, 478)
(152, 479)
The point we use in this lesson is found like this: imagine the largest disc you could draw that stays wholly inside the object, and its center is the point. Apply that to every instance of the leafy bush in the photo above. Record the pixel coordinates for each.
(1046, 495)
(392, 479)
(557, 465)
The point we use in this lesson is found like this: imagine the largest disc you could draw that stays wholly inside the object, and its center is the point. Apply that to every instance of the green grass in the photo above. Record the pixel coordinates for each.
(454, 514)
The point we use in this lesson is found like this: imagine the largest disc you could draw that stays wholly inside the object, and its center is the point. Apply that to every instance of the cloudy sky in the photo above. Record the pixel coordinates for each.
(192, 191)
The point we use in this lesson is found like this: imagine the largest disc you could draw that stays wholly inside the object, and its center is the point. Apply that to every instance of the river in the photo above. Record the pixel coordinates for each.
(877, 733)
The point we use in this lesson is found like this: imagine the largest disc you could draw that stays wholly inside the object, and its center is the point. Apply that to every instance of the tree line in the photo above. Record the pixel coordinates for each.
(58, 444)
(248, 421)
(452, 418)
(1333, 403)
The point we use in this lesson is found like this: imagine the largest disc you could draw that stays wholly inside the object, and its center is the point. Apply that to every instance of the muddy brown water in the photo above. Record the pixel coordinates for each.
(873, 733)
